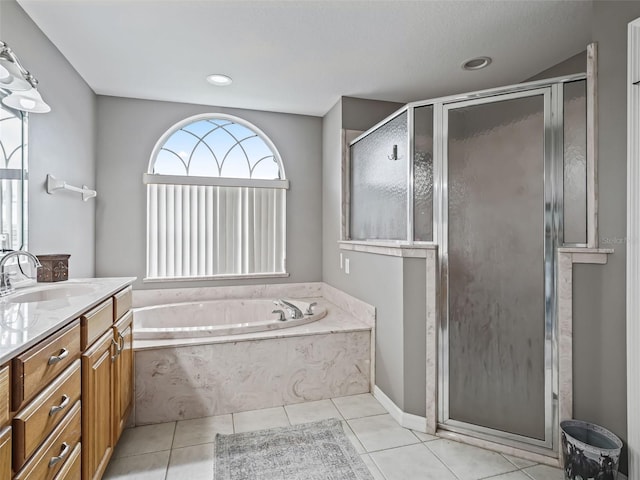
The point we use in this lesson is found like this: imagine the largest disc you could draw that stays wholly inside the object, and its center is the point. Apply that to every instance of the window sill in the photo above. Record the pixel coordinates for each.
(391, 248)
(247, 276)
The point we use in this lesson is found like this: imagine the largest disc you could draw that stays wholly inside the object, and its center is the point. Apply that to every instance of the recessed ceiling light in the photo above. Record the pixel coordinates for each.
(476, 63)
(219, 79)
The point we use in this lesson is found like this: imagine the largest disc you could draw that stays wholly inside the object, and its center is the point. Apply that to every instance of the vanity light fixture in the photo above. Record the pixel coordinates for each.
(16, 79)
(476, 63)
(219, 79)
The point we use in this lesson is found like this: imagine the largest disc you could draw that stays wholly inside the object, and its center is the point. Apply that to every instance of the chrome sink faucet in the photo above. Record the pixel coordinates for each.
(5, 278)
(294, 311)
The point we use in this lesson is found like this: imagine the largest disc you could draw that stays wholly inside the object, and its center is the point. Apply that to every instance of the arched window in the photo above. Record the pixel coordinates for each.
(215, 202)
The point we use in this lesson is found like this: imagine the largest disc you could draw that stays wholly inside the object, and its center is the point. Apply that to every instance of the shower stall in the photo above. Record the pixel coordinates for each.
(498, 180)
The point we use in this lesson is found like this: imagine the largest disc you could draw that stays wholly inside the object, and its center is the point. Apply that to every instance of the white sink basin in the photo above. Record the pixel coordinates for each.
(49, 293)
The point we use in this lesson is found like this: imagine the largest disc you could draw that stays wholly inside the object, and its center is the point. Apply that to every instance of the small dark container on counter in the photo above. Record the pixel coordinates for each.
(55, 268)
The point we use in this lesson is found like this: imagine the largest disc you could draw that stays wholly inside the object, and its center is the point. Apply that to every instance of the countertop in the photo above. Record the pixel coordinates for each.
(22, 325)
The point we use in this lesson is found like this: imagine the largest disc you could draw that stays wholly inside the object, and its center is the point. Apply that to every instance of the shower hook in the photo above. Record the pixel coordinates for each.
(394, 155)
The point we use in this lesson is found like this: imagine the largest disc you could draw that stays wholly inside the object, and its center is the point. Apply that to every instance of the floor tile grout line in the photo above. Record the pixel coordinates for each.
(173, 435)
(442, 461)
(166, 472)
(173, 439)
(389, 448)
(377, 466)
(286, 414)
(527, 473)
(516, 469)
(513, 463)
(142, 453)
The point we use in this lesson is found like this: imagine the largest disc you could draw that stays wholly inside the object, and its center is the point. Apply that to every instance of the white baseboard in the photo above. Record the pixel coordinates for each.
(406, 420)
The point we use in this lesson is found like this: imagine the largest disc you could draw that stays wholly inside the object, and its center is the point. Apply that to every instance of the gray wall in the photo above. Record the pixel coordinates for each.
(395, 286)
(575, 64)
(414, 283)
(599, 292)
(61, 142)
(129, 129)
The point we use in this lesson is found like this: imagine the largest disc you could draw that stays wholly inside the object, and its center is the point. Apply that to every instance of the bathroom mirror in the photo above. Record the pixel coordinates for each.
(13, 180)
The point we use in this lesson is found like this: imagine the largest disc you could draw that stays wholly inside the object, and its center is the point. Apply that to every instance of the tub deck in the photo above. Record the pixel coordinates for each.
(335, 321)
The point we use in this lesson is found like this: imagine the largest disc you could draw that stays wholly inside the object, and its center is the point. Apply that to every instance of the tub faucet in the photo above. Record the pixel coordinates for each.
(5, 277)
(294, 311)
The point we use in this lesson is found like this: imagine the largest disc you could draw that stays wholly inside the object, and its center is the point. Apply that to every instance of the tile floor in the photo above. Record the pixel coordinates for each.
(184, 449)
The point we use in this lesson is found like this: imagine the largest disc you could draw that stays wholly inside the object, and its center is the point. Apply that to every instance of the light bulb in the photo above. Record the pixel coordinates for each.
(219, 79)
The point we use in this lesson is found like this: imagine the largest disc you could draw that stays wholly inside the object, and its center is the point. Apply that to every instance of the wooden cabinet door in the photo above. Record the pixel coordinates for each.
(123, 398)
(97, 408)
(5, 453)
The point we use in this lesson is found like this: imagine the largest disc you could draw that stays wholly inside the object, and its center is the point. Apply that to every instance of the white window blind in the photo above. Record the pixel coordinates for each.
(216, 192)
(208, 230)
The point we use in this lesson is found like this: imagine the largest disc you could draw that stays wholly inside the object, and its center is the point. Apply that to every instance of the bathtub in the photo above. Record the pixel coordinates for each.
(218, 350)
(214, 318)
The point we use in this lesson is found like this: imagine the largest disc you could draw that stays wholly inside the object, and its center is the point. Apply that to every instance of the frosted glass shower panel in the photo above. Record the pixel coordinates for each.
(575, 162)
(379, 183)
(496, 261)
(423, 174)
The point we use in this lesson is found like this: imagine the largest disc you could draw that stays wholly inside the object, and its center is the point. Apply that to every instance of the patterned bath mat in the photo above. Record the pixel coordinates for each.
(311, 451)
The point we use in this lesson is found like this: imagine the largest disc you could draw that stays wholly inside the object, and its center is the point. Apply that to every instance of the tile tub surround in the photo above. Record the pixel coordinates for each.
(176, 383)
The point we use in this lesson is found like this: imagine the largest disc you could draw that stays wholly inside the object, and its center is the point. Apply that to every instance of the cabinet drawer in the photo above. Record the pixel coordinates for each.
(95, 322)
(71, 469)
(35, 368)
(34, 422)
(4, 396)
(122, 303)
(53, 454)
(5, 453)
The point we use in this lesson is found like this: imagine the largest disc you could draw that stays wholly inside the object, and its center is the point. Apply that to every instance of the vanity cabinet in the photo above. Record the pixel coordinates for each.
(39, 365)
(5, 430)
(97, 415)
(46, 400)
(71, 470)
(123, 377)
(55, 451)
(36, 421)
(107, 380)
(76, 384)
(5, 453)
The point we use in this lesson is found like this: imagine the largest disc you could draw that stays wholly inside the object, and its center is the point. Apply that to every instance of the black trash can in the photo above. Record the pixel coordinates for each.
(589, 451)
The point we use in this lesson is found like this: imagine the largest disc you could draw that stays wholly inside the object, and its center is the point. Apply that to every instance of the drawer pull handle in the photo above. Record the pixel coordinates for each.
(55, 409)
(53, 359)
(64, 451)
(121, 339)
(117, 354)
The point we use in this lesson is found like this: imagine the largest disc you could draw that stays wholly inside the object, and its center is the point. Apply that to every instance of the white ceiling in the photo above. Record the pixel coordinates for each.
(301, 56)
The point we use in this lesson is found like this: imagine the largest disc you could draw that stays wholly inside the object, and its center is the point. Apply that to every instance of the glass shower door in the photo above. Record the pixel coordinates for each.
(497, 265)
